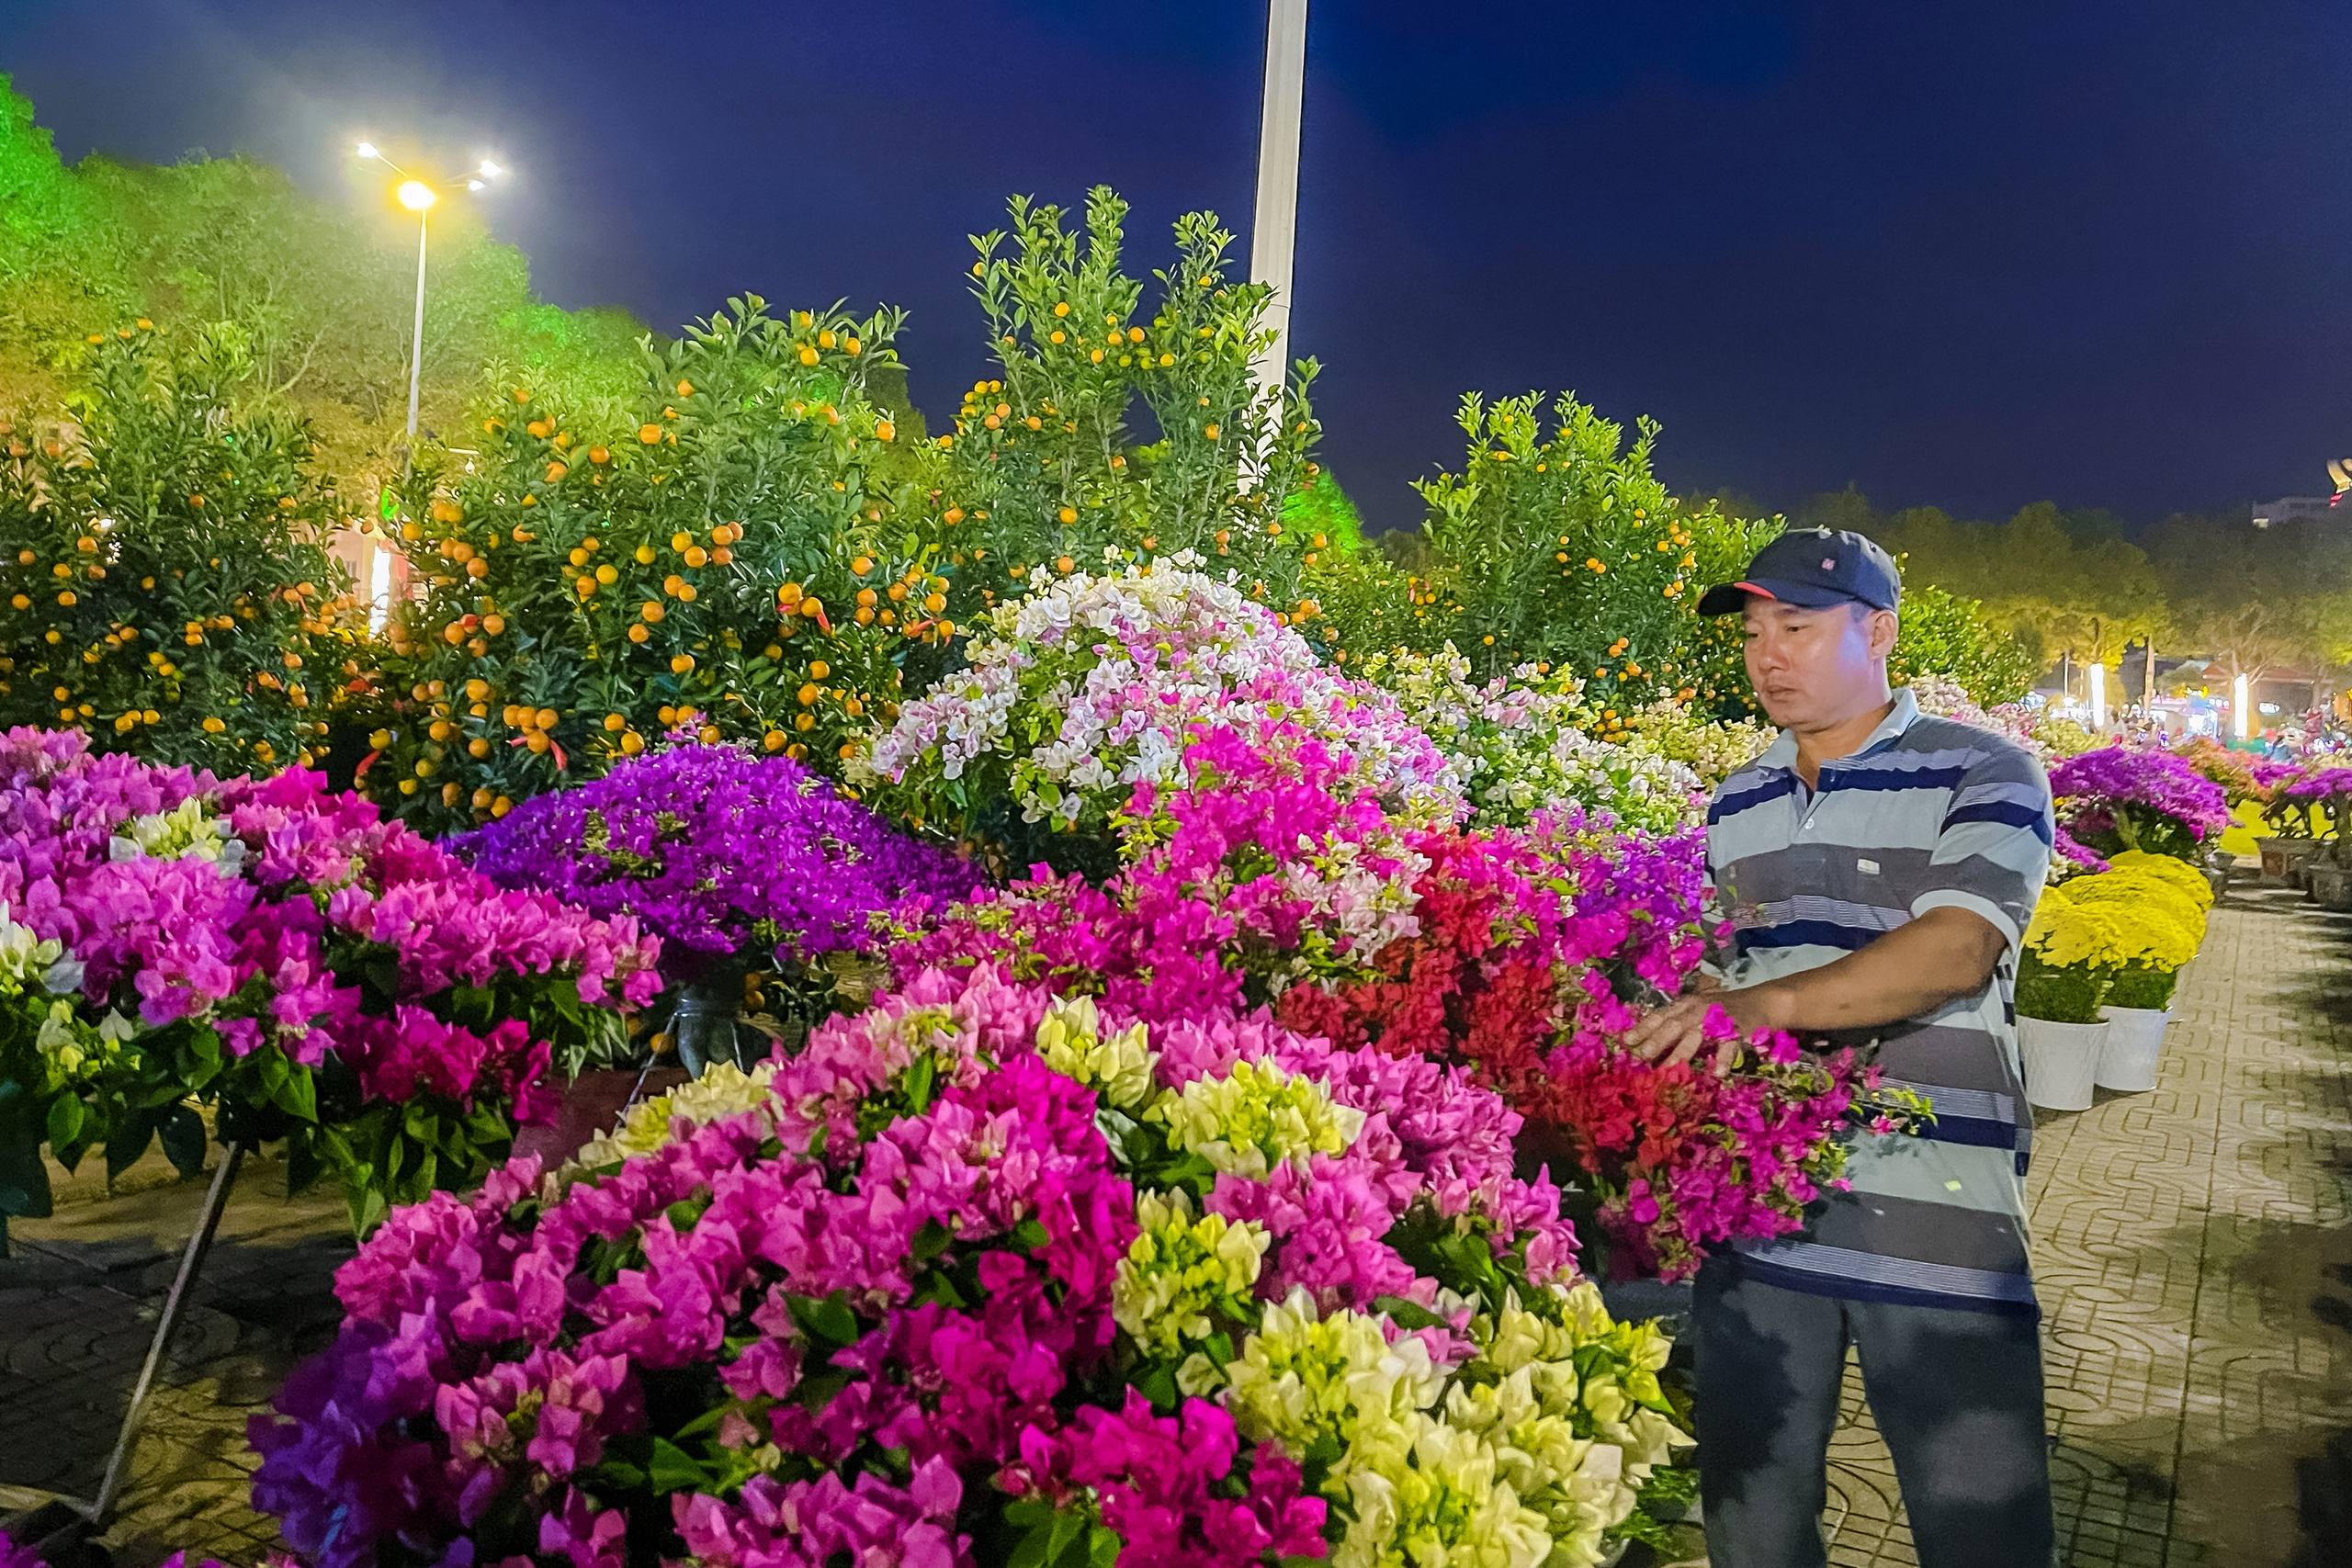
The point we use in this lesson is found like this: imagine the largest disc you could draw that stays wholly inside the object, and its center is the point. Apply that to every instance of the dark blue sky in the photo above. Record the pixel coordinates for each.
(1969, 255)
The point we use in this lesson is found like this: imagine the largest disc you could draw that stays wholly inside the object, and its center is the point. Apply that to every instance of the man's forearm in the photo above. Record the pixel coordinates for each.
(1911, 970)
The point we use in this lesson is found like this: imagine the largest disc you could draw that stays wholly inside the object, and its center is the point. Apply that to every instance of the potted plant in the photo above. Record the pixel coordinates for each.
(2159, 907)
(2123, 797)
(2317, 799)
(2071, 952)
(763, 881)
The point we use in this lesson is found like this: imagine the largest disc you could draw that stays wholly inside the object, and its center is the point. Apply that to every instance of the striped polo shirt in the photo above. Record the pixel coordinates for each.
(1928, 814)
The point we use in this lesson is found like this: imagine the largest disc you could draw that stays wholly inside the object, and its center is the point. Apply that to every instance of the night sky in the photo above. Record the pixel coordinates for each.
(1972, 255)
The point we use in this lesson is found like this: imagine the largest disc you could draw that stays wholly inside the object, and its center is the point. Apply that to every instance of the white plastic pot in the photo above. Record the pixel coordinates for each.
(2061, 1061)
(2136, 1038)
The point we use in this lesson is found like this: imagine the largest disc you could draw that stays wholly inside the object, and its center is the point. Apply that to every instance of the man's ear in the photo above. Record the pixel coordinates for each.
(1884, 628)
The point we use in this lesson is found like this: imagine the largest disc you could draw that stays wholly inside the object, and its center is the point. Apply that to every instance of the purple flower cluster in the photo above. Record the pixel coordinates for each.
(850, 1323)
(2313, 783)
(2110, 797)
(713, 849)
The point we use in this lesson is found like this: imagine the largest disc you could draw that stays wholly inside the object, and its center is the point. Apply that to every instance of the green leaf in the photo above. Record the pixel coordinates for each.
(829, 1319)
(919, 1081)
(930, 1241)
(128, 1140)
(182, 1131)
(1029, 1235)
(674, 1469)
(1104, 1545)
(64, 1120)
(298, 1094)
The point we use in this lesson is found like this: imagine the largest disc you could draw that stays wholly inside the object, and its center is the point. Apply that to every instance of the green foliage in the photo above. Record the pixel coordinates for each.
(2061, 993)
(1946, 635)
(1042, 467)
(1321, 513)
(320, 296)
(715, 563)
(1562, 550)
(164, 589)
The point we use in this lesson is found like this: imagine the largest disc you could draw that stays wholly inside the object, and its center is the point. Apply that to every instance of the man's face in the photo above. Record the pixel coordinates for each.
(1813, 667)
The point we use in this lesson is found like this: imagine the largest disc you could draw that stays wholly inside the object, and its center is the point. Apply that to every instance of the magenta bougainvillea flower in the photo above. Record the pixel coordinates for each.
(282, 949)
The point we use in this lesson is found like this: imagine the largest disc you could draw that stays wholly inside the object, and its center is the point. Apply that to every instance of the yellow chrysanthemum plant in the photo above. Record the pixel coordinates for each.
(2159, 916)
(2116, 939)
(2072, 951)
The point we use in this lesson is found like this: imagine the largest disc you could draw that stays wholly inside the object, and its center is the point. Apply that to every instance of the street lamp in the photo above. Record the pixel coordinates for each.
(418, 197)
(2240, 706)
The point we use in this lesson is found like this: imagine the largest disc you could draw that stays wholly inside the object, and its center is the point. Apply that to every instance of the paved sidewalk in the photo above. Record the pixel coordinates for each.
(77, 1307)
(2195, 1263)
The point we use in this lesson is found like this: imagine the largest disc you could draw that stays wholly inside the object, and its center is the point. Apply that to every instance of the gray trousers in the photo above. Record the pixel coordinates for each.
(1956, 1394)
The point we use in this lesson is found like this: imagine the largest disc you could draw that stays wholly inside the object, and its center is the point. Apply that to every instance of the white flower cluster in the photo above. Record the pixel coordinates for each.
(1088, 686)
(1711, 749)
(185, 833)
(1119, 1066)
(1516, 742)
(723, 1091)
(1528, 1453)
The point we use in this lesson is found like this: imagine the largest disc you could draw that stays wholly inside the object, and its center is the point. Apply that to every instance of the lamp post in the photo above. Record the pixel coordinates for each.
(2241, 700)
(419, 197)
(1274, 236)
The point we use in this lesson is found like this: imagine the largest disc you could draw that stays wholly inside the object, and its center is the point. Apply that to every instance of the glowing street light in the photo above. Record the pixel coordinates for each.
(2098, 695)
(418, 197)
(2242, 707)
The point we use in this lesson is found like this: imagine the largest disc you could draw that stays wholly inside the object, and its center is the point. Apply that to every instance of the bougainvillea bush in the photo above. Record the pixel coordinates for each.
(735, 859)
(2126, 797)
(1263, 876)
(985, 1276)
(321, 976)
(1518, 745)
(1093, 685)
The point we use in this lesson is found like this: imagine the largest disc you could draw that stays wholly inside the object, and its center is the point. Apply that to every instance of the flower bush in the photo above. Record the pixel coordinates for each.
(1516, 745)
(2071, 952)
(586, 590)
(1091, 685)
(2159, 905)
(1713, 749)
(325, 976)
(2242, 776)
(2312, 801)
(738, 862)
(989, 1276)
(1262, 878)
(2131, 798)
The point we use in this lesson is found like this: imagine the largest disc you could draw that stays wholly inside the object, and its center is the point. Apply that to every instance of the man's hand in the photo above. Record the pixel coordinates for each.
(1674, 1034)
(1911, 971)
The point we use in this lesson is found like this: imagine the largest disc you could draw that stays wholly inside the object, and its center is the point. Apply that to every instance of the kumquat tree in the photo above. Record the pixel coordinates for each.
(162, 587)
(703, 569)
(1564, 552)
(1042, 467)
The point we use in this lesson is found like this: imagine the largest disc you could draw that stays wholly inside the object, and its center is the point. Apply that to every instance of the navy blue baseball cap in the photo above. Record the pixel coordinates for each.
(1812, 569)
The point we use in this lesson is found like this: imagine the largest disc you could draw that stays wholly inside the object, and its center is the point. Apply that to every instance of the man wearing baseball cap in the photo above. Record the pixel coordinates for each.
(1879, 867)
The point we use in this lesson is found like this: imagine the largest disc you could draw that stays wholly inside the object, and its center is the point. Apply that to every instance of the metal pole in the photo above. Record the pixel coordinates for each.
(417, 346)
(224, 1176)
(1272, 237)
